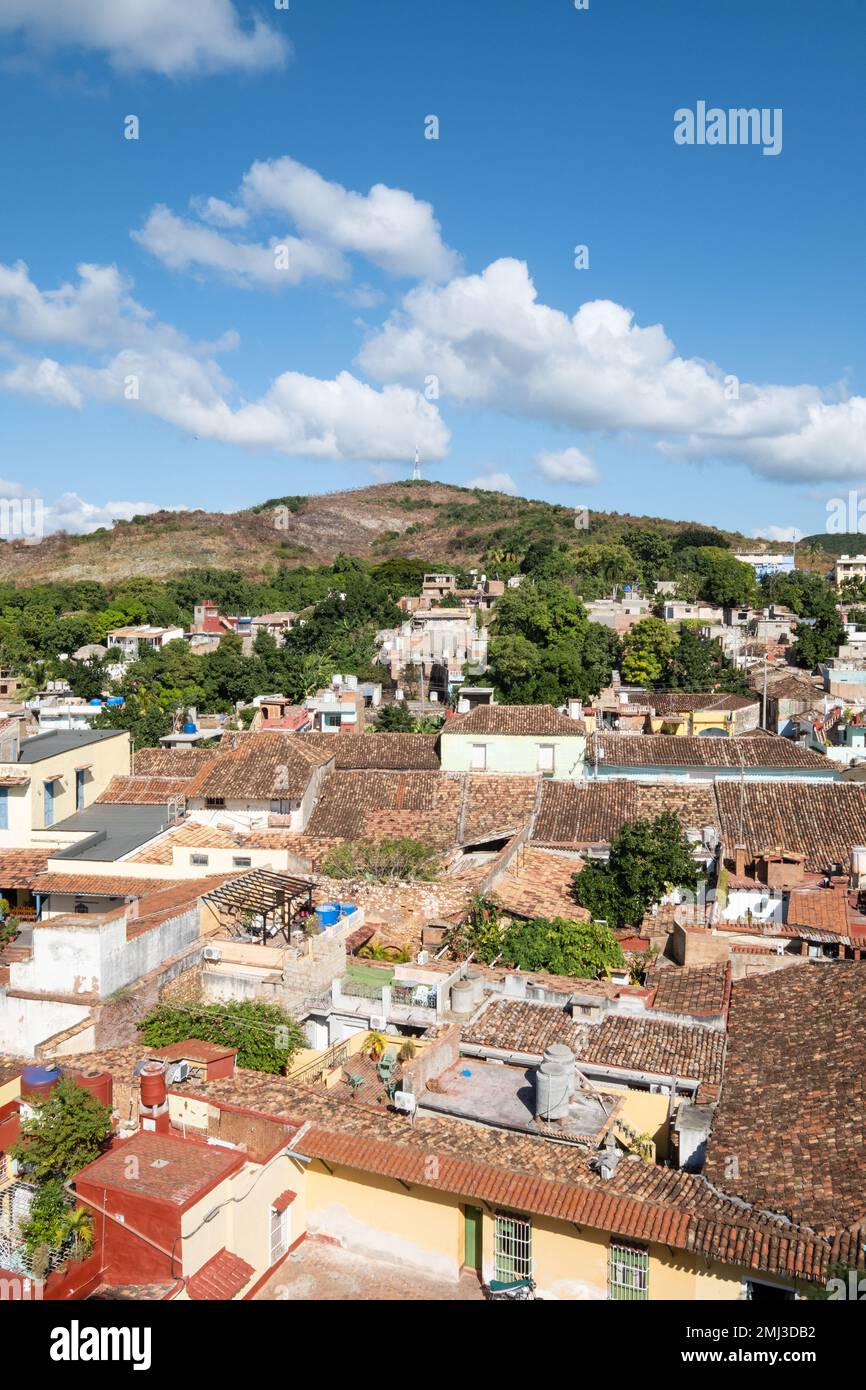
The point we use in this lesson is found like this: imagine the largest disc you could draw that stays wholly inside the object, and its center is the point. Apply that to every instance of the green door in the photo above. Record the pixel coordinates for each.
(472, 1238)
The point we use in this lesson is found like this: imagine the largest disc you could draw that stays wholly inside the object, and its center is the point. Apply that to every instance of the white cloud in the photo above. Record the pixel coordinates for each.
(172, 37)
(388, 226)
(71, 513)
(44, 378)
(491, 344)
(284, 262)
(567, 466)
(495, 482)
(778, 533)
(148, 365)
(218, 212)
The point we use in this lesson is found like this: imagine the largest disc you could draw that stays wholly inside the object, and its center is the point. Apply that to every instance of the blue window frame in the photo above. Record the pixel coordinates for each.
(4, 808)
(49, 802)
(79, 789)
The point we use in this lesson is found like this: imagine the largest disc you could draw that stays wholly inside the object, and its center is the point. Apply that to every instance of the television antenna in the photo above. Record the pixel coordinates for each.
(416, 468)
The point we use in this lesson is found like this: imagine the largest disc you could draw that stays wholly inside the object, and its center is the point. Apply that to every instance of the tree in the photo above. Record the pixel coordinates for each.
(817, 642)
(723, 580)
(646, 649)
(68, 1129)
(395, 719)
(561, 947)
(405, 860)
(647, 858)
(479, 934)
(698, 663)
(265, 1036)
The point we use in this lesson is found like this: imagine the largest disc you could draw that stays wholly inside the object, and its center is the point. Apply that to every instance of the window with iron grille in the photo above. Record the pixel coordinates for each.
(513, 1249)
(628, 1272)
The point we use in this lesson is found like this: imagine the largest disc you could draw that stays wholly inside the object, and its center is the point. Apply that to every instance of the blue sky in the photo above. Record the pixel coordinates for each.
(440, 309)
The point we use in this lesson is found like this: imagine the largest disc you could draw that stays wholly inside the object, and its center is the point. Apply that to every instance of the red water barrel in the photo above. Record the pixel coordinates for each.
(39, 1080)
(98, 1083)
(152, 1080)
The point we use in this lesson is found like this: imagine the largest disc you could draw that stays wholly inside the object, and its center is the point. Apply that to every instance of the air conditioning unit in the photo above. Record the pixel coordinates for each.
(176, 1072)
(378, 1022)
(422, 957)
(405, 1101)
(212, 953)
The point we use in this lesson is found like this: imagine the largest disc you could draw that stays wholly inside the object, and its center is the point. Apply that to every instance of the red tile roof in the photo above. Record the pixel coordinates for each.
(18, 867)
(532, 721)
(385, 752)
(794, 1096)
(592, 812)
(669, 750)
(700, 990)
(175, 1171)
(222, 1278)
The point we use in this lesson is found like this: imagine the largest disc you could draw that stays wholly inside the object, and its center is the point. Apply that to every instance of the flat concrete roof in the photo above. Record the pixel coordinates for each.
(48, 745)
(498, 1094)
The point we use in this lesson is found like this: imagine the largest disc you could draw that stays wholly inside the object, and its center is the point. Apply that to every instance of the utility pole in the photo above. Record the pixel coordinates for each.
(764, 701)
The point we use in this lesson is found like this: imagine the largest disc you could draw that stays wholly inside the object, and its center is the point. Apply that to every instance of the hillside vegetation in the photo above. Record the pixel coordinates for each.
(431, 521)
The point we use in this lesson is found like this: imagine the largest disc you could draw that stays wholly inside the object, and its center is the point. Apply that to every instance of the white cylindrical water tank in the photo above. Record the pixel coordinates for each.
(477, 983)
(462, 997)
(562, 1055)
(551, 1091)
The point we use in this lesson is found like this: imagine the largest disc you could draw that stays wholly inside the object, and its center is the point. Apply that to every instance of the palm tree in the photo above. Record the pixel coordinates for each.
(77, 1226)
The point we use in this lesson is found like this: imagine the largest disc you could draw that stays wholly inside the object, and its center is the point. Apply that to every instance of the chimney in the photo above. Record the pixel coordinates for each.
(740, 860)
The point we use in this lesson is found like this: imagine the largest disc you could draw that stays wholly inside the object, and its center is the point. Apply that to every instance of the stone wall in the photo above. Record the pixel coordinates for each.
(398, 911)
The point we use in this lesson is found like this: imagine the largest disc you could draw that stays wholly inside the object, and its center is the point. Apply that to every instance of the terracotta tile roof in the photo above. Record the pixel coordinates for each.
(167, 1169)
(171, 762)
(376, 805)
(619, 1041)
(259, 767)
(794, 688)
(794, 1096)
(821, 820)
(521, 1172)
(592, 812)
(700, 990)
(669, 750)
(193, 835)
(824, 908)
(533, 721)
(383, 752)
(495, 805)
(98, 885)
(646, 1044)
(687, 701)
(18, 867)
(144, 790)
(539, 884)
(221, 1278)
(517, 1025)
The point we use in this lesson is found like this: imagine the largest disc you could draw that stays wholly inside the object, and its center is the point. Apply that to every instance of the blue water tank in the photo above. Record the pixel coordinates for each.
(328, 914)
(114, 700)
(94, 702)
(348, 908)
(190, 729)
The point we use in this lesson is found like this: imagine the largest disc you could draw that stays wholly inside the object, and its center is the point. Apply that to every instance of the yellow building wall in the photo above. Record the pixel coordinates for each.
(647, 1113)
(377, 1217)
(26, 804)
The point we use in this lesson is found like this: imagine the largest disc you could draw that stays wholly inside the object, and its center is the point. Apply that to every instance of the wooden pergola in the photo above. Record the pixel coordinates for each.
(261, 904)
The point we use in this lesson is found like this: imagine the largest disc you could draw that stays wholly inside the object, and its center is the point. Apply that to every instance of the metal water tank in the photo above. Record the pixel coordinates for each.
(462, 997)
(551, 1091)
